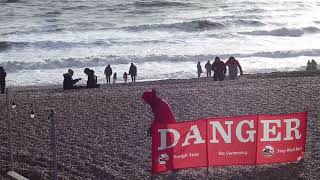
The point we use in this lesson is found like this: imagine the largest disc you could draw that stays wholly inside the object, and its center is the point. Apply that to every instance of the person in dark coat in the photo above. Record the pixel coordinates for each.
(233, 66)
(92, 79)
(208, 68)
(313, 66)
(199, 69)
(68, 82)
(133, 72)
(125, 77)
(114, 78)
(108, 73)
(3, 76)
(219, 69)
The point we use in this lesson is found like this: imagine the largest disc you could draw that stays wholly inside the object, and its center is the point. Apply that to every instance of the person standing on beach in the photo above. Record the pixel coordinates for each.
(133, 72)
(308, 66)
(68, 82)
(219, 69)
(313, 66)
(233, 66)
(114, 78)
(3, 76)
(108, 73)
(92, 79)
(208, 68)
(125, 77)
(199, 69)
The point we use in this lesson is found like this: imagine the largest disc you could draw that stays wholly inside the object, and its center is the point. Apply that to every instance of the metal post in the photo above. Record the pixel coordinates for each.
(54, 146)
(10, 129)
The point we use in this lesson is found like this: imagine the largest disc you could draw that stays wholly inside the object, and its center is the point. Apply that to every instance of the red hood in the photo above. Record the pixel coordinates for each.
(149, 96)
(160, 108)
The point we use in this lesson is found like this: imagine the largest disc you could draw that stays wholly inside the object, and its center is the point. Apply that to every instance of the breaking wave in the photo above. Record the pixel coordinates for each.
(5, 45)
(183, 26)
(277, 32)
(11, 1)
(284, 32)
(56, 28)
(311, 29)
(103, 61)
(49, 45)
(249, 22)
(285, 54)
(76, 7)
(53, 13)
(151, 4)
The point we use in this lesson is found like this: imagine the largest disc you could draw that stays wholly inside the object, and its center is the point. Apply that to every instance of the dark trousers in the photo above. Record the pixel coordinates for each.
(208, 73)
(108, 79)
(218, 76)
(233, 77)
(133, 78)
(2, 87)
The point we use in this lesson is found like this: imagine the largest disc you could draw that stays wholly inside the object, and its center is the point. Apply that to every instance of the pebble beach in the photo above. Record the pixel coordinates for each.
(102, 133)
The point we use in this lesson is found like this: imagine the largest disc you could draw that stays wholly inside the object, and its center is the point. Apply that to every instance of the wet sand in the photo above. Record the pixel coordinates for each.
(102, 133)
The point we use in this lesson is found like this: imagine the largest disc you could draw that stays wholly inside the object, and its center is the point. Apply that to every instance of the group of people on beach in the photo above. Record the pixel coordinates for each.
(311, 65)
(219, 68)
(92, 82)
(132, 72)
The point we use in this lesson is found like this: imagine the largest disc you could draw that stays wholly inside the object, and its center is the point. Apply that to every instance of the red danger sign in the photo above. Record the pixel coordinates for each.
(241, 140)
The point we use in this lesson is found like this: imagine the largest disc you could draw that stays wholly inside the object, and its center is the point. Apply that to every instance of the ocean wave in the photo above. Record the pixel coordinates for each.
(49, 45)
(249, 22)
(311, 29)
(5, 45)
(53, 13)
(75, 27)
(254, 10)
(286, 54)
(81, 7)
(284, 32)
(182, 26)
(11, 1)
(140, 11)
(196, 25)
(103, 61)
(53, 45)
(151, 4)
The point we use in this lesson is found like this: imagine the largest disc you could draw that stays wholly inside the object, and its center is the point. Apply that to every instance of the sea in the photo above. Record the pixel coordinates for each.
(40, 40)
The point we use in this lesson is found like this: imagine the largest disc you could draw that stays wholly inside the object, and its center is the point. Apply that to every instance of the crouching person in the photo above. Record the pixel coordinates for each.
(68, 82)
(92, 79)
(160, 108)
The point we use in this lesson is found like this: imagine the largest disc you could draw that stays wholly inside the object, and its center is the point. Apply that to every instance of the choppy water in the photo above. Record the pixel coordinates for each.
(40, 40)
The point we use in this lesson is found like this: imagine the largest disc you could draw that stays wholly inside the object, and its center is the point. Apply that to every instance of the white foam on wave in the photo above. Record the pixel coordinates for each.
(13, 66)
(189, 26)
(277, 32)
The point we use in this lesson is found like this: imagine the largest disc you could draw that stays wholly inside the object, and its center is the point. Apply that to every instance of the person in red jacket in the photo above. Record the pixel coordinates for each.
(160, 108)
(233, 66)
